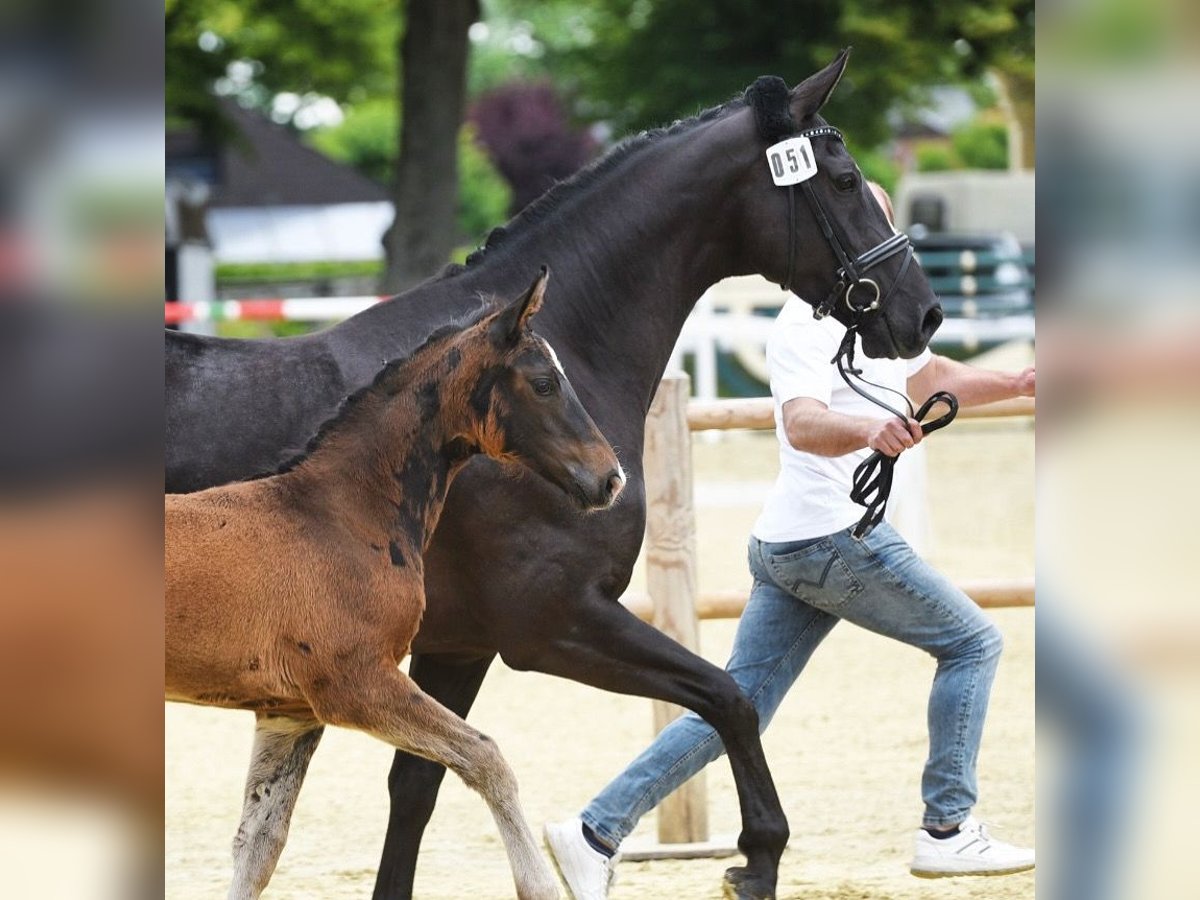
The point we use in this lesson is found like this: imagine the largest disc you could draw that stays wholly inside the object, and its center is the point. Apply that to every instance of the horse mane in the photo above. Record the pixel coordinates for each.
(586, 178)
(385, 374)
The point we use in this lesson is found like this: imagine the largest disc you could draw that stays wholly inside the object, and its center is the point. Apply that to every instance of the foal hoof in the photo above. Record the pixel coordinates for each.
(742, 884)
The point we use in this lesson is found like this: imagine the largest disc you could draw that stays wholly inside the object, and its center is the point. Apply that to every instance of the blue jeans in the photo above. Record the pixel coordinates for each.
(801, 590)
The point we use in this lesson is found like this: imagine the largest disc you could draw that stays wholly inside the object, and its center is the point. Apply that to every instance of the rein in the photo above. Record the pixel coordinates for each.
(872, 483)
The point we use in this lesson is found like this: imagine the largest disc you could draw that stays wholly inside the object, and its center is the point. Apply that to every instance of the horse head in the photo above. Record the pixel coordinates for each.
(819, 231)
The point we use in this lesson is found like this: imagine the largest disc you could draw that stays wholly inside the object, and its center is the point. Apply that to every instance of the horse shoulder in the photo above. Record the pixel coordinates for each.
(388, 603)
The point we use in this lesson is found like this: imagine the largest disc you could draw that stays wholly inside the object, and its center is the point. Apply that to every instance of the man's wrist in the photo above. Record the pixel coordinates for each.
(865, 429)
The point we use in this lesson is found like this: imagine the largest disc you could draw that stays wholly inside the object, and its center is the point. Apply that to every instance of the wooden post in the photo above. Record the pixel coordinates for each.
(671, 575)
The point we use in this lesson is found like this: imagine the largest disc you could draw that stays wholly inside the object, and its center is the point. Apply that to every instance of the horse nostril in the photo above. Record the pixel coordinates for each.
(613, 484)
(931, 322)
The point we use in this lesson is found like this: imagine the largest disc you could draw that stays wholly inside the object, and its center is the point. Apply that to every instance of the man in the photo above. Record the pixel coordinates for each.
(810, 572)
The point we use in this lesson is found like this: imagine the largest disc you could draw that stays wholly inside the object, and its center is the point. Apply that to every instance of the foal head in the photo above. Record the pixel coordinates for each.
(527, 411)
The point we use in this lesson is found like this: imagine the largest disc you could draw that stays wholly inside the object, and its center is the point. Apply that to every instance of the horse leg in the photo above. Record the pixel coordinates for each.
(387, 703)
(413, 782)
(606, 646)
(278, 763)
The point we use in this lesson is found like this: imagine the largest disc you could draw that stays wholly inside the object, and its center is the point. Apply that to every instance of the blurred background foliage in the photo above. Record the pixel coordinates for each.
(527, 131)
(550, 83)
(980, 144)
(258, 49)
(636, 63)
(368, 139)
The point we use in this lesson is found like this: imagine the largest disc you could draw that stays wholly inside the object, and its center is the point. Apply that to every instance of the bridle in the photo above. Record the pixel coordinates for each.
(851, 273)
(872, 483)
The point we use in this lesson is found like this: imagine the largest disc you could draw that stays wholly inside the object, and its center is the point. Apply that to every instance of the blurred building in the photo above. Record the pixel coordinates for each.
(272, 200)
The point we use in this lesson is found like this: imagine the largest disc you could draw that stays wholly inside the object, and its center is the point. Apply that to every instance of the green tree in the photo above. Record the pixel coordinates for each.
(484, 195)
(344, 49)
(936, 158)
(368, 138)
(981, 145)
(638, 63)
(349, 50)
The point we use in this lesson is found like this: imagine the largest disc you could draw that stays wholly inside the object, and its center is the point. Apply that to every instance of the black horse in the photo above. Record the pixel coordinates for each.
(514, 569)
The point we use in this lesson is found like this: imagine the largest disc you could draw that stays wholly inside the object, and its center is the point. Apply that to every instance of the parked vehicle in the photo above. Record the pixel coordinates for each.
(968, 202)
(976, 276)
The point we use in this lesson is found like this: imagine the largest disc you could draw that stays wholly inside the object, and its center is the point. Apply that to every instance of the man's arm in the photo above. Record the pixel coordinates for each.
(972, 386)
(812, 427)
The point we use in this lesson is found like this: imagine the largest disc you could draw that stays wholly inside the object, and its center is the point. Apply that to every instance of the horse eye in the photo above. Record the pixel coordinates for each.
(847, 182)
(543, 387)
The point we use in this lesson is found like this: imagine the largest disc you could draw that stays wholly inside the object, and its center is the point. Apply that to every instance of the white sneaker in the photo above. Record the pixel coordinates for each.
(587, 873)
(970, 852)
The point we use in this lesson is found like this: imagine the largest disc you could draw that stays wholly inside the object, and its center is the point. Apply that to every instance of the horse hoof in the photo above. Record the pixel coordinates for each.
(742, 884)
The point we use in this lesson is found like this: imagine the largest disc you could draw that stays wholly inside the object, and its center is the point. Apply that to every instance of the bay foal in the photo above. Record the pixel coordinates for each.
(297, 595)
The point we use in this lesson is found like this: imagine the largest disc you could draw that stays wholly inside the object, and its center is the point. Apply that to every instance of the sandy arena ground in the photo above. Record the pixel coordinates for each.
(846, 747)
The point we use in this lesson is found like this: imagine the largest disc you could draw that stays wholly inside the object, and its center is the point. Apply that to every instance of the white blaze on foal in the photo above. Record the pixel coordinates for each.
(553, 357)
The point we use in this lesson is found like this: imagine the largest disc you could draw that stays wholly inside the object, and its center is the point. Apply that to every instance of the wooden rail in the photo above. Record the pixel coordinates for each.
(672, 603)
(730, 604)
(758, 412)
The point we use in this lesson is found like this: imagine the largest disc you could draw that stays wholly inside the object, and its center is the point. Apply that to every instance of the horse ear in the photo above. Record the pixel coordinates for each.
(814, 91)
(509, 324)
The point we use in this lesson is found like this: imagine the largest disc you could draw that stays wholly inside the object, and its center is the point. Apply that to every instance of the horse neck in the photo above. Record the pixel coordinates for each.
(631, 253)
(630, 259)
(388, 463)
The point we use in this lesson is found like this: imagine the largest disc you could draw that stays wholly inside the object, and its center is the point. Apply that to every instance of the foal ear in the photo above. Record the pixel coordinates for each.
(515, 317)
(814, 91)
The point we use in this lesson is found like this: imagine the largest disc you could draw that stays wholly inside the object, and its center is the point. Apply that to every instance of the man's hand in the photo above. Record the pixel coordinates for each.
(1026, 383)
(892, 437)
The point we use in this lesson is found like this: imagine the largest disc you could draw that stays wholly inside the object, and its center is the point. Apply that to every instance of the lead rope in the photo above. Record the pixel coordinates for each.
(872, 483)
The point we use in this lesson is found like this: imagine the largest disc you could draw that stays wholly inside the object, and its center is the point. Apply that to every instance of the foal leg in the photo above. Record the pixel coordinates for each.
(282, 750)
(387, 703)
(413, 782)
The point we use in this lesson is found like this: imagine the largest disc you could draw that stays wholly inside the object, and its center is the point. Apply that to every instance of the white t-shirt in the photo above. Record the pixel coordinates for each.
(811, 496)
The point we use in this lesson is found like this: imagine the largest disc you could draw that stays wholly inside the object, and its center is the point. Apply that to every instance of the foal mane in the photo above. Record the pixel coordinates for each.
(385, 374)
(563, 192)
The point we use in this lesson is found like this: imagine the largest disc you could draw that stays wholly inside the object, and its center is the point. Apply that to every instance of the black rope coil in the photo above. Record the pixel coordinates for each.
(872, 483)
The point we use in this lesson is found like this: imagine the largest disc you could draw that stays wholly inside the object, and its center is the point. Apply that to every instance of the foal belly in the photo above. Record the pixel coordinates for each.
(293, 708)
(228, 645)
(232, 675)
(263, 608)
(228, 611)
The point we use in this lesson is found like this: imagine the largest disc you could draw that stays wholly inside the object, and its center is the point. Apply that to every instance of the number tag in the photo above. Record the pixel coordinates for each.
(792, 161)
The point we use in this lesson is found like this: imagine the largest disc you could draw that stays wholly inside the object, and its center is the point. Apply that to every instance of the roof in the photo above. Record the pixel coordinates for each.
(267, 165)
